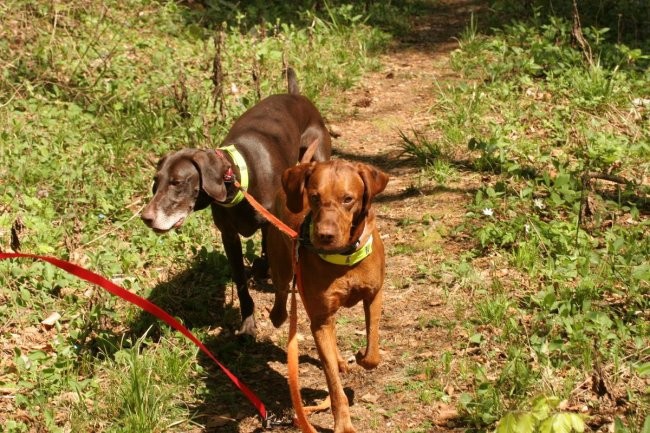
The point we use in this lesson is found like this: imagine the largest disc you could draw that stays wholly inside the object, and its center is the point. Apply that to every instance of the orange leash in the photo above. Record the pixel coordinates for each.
(292, 356)
(292, 344)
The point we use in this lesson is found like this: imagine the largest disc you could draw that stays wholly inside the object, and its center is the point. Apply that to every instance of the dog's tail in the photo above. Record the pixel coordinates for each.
(292, 82)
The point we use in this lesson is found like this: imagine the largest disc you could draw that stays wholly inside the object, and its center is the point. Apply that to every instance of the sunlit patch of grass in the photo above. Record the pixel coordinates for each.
(545, 123)
(92, 96)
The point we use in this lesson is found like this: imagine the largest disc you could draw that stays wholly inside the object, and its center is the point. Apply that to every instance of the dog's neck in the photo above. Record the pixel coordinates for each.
(358, 247)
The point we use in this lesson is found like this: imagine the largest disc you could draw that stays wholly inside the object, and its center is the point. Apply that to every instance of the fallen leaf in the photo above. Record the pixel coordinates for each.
(449, 389)
(445, 413)
(363, 102)
(51, 320)
(220, 421)
(370, 398)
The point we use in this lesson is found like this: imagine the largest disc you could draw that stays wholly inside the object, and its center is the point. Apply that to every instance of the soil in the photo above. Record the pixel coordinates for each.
(398, 97)
(424, 308)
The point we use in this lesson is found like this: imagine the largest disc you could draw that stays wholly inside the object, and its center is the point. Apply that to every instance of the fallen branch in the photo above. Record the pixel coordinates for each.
(608, 177)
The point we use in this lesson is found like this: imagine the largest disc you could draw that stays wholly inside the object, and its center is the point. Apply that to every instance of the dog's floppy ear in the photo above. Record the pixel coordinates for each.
(211, 170)
(374, 181)
(293, 183)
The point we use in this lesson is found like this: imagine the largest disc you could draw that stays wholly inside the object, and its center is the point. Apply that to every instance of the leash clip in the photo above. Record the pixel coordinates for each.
(229, 175)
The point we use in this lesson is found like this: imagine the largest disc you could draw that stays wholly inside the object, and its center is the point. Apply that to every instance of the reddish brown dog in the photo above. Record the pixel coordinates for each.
(341, 255)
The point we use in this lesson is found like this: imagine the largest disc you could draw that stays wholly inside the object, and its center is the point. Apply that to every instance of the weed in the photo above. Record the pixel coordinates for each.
(542, 416)
(493, 310)
(92, 96)
(542, 121)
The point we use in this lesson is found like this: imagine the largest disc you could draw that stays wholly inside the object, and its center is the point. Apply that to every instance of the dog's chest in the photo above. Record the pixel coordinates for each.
(329, 287)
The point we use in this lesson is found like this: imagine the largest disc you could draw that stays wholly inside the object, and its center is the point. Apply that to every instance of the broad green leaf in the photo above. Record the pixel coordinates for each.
(546, 426)
(643, 369)
(526, 423)
(619, 427)
(541, 408)
(561, 180)
(476, 338)
(641, 272)
(577, 423)
(561, 423)
(508, 424)
(38, 355)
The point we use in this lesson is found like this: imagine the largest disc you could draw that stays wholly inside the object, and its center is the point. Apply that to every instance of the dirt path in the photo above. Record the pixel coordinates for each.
(416, 215)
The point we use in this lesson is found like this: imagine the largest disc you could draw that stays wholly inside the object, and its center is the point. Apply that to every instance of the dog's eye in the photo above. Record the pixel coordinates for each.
(314, 198)
(175, 182)
(348, 199)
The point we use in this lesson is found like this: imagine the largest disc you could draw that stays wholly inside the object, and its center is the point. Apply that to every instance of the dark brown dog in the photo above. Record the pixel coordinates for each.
(329, 203)
(271, 136)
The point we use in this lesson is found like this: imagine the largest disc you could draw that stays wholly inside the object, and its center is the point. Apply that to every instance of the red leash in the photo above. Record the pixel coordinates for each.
(268, 215)
(161, 314)
(149, 307)
(292, 344)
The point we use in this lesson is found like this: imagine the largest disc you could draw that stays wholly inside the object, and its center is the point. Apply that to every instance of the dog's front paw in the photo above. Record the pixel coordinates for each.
(367, 361)
(278, 315)
(347, 428)
(247, 327)
(343, 366)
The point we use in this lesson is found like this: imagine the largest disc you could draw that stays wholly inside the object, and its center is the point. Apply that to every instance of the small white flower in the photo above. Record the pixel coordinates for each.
(234, 89)
(527, 228)
(539, 203)
(488, 212)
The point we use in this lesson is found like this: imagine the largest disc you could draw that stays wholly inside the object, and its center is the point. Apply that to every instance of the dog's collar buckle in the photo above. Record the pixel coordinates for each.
(229, 176)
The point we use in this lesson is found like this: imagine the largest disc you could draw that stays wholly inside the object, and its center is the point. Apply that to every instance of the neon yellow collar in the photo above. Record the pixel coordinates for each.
(240, 162)
(351, 259)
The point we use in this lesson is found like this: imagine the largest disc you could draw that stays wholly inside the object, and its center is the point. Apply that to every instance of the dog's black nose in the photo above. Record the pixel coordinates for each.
(325, 238)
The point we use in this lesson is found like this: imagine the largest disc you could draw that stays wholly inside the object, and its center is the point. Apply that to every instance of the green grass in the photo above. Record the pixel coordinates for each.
(565, 211)
(92, 96)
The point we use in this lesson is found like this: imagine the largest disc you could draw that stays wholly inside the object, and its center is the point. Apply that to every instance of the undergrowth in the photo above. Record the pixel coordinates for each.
(562, 136)
(92, 94)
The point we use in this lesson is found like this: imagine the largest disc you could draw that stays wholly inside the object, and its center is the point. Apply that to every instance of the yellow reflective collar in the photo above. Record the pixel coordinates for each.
(346, 259)
(349, 259)
(240, 162)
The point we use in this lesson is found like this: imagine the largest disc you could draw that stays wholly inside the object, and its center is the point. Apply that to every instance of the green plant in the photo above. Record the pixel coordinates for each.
(425, 151)
(539, 120)
(620, 427)
(543, 417)
(91, 98)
